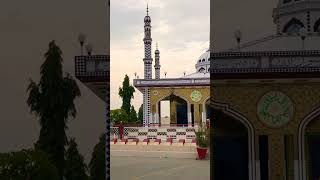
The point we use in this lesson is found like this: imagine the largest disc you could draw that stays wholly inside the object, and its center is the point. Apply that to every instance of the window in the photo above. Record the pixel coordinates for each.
(203, 60)
(201, 70)
(293, 26)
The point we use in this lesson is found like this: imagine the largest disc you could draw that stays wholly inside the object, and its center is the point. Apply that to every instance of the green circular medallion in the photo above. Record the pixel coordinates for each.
(275, 109)
(196, 96)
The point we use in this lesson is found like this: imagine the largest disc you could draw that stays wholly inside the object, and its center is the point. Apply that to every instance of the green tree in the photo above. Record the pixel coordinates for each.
(97, 165)
(118, 115)
(133, 115)
(52, 100)
(140, 114)
(126, 93)
(27, 165)
(75, 167)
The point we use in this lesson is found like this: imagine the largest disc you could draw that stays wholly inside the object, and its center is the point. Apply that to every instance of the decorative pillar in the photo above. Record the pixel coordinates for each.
(173, 112)
(197, 116)
(257, 158)
(203, 116)
(276, 157)
(296, 157)
(189, 115)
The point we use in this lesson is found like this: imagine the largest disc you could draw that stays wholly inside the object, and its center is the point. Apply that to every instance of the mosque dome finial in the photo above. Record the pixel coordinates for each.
(147, 18)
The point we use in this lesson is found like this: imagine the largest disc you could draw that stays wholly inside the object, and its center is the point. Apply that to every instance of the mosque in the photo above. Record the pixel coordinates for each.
(266, 100)
(188, 95)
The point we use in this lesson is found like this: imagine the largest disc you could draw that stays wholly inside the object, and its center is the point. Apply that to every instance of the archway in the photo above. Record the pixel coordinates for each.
(309, 146)
(293, 26)
(233, 145)
(207, 113)
(179, 108)
(316, 26)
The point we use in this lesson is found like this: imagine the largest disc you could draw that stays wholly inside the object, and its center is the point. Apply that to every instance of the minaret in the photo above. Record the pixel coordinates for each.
(157, 63)
(147, 68)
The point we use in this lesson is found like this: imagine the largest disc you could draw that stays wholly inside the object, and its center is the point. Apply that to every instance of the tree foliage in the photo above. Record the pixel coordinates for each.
(126, 93)
(75, 168)
(97, 165)
(27, 165)
(52, 100)
(118, 115)
(140, 114)
(133, 115)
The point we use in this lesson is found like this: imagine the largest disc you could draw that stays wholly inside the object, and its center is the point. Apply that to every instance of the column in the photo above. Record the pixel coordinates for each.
(156, 117)
(189, 115)
(276, 157)
(197, 116)
(203, 117)
(204, 112)
(173, 112)
(296, 157)
(257, 158)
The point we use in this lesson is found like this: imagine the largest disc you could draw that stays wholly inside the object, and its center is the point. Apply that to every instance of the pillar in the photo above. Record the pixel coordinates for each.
(189, 115)
(173, 112)
(257, 158)
(276, 157)
(197, 115)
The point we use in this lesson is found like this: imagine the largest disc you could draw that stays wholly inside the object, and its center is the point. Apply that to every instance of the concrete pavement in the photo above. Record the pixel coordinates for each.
(157, 162)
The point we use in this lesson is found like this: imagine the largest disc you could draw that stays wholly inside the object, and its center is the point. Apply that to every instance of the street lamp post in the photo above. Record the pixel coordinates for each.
(81, 39)
(303, 35)
(238, 36)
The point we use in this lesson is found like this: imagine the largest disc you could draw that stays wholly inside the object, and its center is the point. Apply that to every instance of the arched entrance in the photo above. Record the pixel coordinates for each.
(233, 149)
(208, 110)
(179, 109)
(309, 145)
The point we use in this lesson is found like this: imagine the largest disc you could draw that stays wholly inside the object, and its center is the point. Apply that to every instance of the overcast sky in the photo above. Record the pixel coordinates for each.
(26, 27)
(181, 28)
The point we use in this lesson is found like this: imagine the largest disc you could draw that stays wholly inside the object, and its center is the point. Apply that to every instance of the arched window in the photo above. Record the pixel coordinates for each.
(201, 70)
(317, 26)
(293, 26)
(203, 60)
(208, 69)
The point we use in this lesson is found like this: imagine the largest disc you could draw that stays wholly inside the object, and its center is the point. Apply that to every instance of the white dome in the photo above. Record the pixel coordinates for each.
(203, 63)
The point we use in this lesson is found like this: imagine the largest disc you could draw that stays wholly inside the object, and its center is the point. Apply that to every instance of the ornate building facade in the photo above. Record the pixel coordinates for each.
(265, 97)
(188, 95)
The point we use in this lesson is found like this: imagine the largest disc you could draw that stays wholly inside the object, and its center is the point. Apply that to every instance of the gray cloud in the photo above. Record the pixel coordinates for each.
(26, 29)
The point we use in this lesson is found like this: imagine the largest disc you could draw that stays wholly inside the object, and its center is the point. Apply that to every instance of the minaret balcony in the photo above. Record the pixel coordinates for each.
(94, 72)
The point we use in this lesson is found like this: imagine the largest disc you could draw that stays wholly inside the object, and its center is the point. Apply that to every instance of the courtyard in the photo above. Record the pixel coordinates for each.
(128, 165)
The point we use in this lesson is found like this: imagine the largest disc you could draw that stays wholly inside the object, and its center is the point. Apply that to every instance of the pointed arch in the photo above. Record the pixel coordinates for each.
(157, 118)
(301, 141)
(293, 26)
(201, 70)
(316, 27)
(225, 108)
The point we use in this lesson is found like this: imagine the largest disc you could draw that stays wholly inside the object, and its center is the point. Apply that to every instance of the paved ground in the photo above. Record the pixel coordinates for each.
(158, 168)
